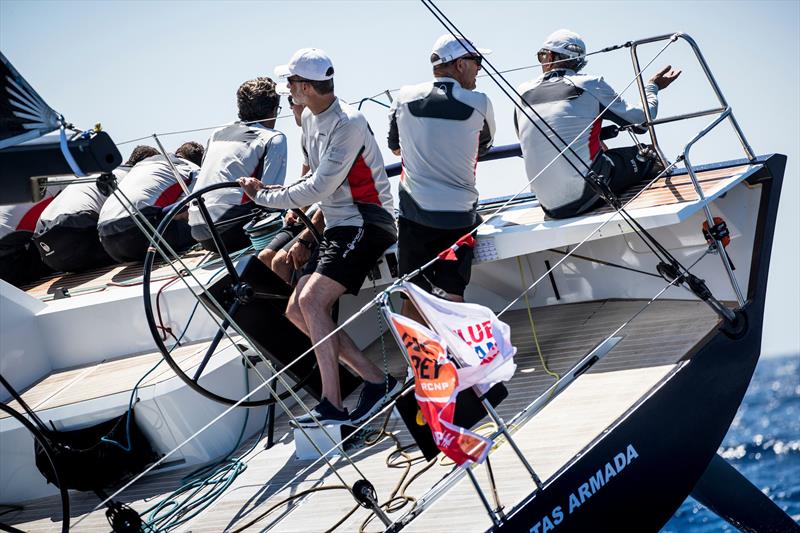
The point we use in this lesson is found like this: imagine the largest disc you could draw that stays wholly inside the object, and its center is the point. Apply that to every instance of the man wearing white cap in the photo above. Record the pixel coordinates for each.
(348, 179)
(574, 105)
(440, 128)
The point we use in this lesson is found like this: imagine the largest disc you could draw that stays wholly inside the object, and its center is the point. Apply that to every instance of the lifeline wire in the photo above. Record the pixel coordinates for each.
(550, 393)
(265, 382)
(404, 278)
(386, 92)
(650, 241)
(154, 238)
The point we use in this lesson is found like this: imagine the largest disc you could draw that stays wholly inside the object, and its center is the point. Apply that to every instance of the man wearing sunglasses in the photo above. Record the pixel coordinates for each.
(440, 128)
(250, 147)
(574, 105)
(348, 179)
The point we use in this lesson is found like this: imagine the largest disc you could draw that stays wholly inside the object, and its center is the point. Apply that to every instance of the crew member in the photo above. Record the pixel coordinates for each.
(250, 147)
(20, 262)
(66, 234)
(348, 179)
(574, 105)
(151, 186)
(288, 251)
(440, 128)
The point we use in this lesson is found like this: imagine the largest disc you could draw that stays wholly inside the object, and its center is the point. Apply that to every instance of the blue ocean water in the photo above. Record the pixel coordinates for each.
(763, 443)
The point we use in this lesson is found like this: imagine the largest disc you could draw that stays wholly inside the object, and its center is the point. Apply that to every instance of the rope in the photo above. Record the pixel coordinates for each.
(385, 92)
(533, 325)
(399, 458)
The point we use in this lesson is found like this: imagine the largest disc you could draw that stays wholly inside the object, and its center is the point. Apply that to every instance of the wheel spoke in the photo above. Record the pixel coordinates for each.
(215, 341)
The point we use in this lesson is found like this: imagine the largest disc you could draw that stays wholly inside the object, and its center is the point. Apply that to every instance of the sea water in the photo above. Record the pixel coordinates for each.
(763, 444)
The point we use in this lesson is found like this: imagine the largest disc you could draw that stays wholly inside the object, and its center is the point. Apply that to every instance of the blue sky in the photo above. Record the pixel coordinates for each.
(144, 67)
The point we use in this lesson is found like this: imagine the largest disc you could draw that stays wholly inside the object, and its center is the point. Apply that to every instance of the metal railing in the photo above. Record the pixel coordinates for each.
(723, 112)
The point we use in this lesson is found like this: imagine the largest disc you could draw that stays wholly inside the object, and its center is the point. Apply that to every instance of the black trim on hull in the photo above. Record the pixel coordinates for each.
(637, 474)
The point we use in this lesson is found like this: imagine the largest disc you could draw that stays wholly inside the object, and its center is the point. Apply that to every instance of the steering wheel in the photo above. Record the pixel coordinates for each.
(243, 294)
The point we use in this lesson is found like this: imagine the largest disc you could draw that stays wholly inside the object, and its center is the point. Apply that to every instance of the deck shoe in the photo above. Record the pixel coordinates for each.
(325, 413)
(373, 397)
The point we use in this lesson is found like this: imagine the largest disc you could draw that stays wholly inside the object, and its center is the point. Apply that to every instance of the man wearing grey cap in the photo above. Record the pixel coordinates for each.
(440, 128)
(574, 105)
(348, 179)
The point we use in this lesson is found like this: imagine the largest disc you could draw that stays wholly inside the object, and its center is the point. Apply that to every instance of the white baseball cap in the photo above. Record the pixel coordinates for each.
(309, 63)
(449, 48)
(565, 42)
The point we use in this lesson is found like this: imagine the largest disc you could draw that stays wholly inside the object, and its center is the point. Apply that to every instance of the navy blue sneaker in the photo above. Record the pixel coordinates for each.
(325, 413)
(373, 397)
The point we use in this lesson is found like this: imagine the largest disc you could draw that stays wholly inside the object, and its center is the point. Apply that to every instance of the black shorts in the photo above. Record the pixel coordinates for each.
(285, 235)
(348, 253)
(418, 244)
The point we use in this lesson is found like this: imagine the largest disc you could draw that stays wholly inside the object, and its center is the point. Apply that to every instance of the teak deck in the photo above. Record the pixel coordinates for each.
(652, 345)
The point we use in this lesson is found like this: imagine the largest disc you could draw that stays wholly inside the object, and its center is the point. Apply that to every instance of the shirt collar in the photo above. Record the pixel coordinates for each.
(446, 79)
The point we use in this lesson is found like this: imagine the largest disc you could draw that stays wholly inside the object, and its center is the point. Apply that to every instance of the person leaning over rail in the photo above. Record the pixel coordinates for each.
(348, 179)
(20, 262)
(152, 188)
(66, 234)
(245, 148)
(440, 128)
(573, 104)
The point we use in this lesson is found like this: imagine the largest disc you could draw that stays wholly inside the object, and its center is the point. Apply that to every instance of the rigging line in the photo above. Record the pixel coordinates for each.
(513, 425)
(456, 32)
(160, 247)
(585, 239)
(635, 227)
(533, 326)
(606, 263)
(383, 411)
(384, 92)
(609, 337)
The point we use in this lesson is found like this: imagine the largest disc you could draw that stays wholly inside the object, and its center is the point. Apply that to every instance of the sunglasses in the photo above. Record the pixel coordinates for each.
(477, 59)
(290, 81)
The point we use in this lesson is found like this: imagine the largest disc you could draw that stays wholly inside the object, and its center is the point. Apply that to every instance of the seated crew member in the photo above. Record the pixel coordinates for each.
(246, 148)
(20, 262)
(288, 251)
(152, 188)
(349, 181)
(571, 103)
(66, 234)
(440, 128)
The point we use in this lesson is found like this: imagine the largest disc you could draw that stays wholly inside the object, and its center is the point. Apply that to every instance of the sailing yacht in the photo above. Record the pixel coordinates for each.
(637, 328)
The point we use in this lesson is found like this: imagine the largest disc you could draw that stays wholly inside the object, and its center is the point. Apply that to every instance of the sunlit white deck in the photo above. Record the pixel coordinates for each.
(651, 347)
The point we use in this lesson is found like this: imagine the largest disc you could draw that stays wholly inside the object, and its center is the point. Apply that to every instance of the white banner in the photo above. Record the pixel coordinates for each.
(477, 339)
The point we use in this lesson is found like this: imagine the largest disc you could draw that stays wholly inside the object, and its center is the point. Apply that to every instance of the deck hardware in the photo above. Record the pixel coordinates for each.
(552, 278)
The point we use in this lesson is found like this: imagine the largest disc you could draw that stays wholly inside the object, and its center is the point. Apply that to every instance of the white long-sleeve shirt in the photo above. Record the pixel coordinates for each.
(441, 129)
(570, 103)
(233, 152)
(347, 177)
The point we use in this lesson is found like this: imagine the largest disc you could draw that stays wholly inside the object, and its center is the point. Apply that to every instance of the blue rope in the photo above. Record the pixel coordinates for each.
(202, 486)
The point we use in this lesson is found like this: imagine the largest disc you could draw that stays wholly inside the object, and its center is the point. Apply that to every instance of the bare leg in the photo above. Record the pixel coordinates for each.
(317, 296)
(349, 354)
(266, 256)
(281, 267)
